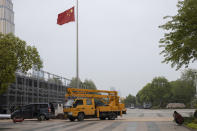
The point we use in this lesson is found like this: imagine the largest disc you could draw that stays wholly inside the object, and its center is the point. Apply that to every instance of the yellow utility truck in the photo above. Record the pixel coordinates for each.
(86, 103)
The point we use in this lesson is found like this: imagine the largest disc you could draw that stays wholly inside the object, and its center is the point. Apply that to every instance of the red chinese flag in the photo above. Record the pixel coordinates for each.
(66, 16)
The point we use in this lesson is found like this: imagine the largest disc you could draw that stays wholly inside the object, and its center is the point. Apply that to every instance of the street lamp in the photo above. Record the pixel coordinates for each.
(196, 82)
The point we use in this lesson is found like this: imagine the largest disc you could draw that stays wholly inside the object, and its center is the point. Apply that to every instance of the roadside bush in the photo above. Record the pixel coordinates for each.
(188, 105)
(194, 103)
(155, 107)
(195, 114)
(188, 120)
(195, 121)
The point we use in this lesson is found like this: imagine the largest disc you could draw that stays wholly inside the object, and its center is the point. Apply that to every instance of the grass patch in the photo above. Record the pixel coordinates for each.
(190, 122)
(192, 125)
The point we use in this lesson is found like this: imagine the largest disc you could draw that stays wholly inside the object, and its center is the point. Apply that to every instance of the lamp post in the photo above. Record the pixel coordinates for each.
(196, 83)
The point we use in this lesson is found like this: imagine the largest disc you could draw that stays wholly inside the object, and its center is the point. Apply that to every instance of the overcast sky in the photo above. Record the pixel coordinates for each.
(118, 40)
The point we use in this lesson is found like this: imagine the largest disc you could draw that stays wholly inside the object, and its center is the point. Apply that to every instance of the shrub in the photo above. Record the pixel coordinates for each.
(195, 114)
(195, 121)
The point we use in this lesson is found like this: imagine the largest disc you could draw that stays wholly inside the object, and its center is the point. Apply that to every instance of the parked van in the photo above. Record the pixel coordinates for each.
(40, 111)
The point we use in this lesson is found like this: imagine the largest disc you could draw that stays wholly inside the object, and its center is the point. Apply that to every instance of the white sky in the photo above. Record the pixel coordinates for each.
(118, 40)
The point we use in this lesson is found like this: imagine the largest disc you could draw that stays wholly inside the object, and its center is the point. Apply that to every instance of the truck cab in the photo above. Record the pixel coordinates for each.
(79, 109)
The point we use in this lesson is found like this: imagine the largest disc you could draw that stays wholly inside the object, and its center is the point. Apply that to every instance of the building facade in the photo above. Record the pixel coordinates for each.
(33, 89)
(6, 17)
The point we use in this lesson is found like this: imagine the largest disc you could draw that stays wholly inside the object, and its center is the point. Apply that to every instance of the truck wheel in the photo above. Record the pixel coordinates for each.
(112, 116)
(71, 118)
(47, 118)
(80, 117)
(41, 118)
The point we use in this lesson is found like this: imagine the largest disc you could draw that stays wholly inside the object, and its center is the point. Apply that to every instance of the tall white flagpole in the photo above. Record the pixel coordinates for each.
(77, 44)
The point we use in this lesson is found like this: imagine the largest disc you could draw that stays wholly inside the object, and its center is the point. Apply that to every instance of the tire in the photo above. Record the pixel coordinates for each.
(47, 118)
(112, 116)
(71, 118)
(60, 116)
(42, 118)
(80, 117)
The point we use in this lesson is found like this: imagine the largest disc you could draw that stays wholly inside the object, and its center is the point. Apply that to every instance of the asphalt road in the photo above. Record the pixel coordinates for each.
(134, 120)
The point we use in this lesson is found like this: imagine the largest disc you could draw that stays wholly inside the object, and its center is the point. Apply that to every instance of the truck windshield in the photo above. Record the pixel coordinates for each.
(69, 103)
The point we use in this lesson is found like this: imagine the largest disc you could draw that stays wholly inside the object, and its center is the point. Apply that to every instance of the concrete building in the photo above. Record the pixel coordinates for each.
(6, 17)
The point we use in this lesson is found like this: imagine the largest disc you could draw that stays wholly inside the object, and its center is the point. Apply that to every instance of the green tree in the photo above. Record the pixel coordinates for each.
(180, 43)
(182, 91)
(73, 83)
(189, 75)
(157, 92)
(89, 84)
(161, 90)
(146, 94)
(130, 99)
(15, 55)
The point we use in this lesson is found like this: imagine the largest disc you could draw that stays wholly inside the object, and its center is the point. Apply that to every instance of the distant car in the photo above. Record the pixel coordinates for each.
(147, 106)
(132, 107)
(39, 111)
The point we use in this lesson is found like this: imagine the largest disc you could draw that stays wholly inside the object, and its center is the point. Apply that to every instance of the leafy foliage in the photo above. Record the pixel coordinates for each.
(182, 91)
(157, 92)
(146, 94)
(189, 75)
(129, 100)
(180, 43)
(87, 84)
(73, 83)
(161, 92)
(15, 55)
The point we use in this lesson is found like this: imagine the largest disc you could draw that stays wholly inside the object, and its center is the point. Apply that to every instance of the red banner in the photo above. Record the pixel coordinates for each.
(66, 16)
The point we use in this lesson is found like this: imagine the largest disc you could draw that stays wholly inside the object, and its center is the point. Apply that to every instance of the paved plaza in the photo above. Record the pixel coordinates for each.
(134, 120)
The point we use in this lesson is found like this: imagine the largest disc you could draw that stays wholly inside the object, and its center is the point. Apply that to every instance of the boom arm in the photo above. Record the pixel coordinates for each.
(74, 92)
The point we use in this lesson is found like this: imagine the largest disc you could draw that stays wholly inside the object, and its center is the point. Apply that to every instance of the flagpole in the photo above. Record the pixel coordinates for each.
(77, 44)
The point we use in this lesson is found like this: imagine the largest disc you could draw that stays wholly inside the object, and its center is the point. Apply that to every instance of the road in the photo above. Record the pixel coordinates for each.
(134, 120)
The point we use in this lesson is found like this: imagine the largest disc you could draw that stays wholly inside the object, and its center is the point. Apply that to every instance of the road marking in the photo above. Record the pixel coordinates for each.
(131, 126)
(83, 126)
(43, 127)
(62, 127)
(99, 126)
(112, 126)
(159, 115)
(141, 126)
(146, 119)
(152, 126)
(141, 115)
